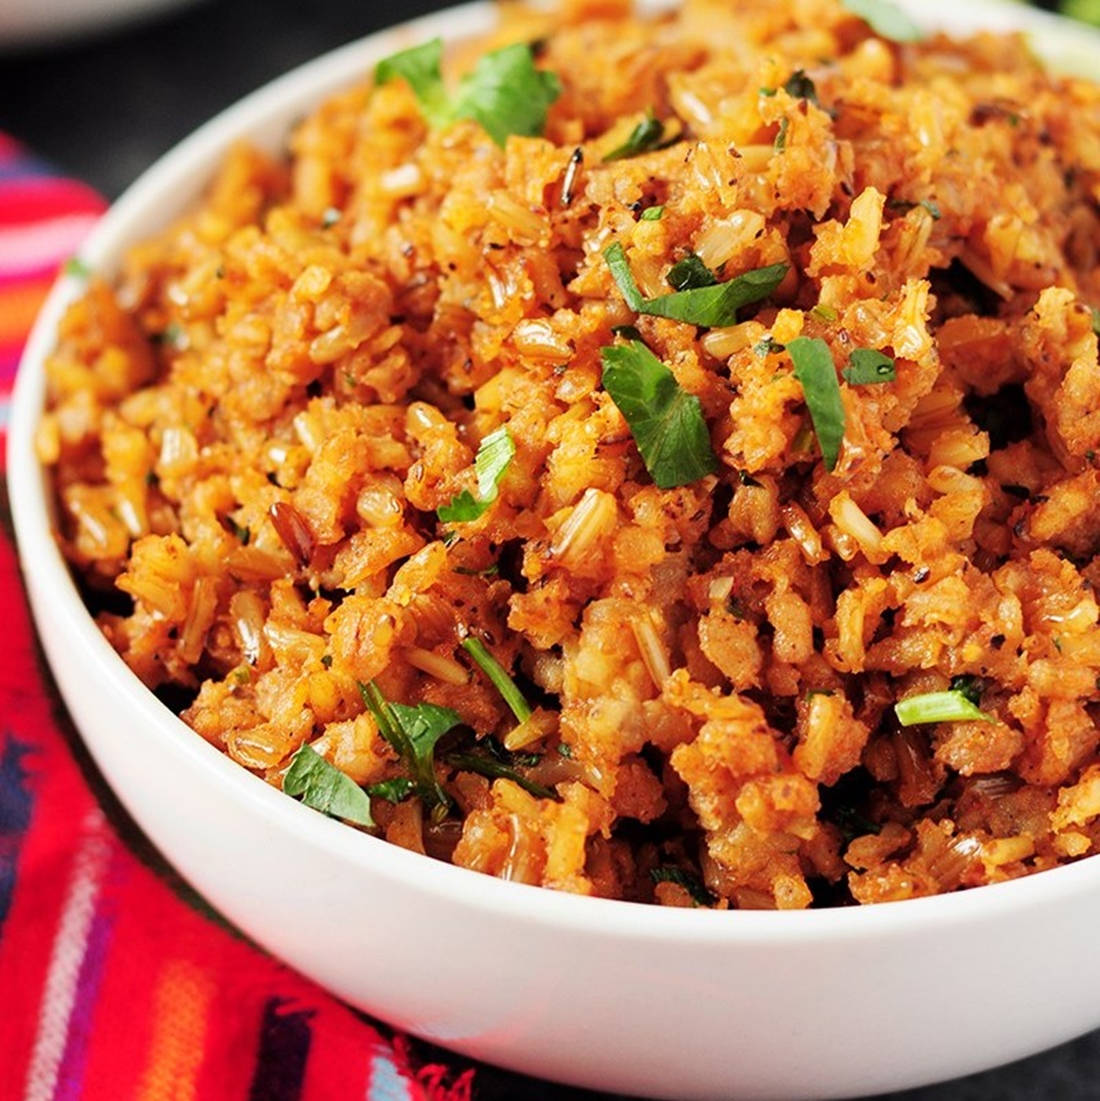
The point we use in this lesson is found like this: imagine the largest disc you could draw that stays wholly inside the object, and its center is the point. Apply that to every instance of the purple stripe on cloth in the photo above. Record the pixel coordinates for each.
(70, 1078)
(15, 815)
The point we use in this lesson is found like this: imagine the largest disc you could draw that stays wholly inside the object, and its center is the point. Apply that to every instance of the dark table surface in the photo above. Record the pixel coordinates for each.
(104, 109)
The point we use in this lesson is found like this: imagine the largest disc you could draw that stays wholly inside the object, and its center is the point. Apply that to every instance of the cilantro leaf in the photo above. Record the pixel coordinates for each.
(868, 366)
(505, 93)
(393, 791)
(325, 788)
(800, 86)
(652, 214)
(493, 457)
(885, 19)
(689, 881)
(413, 732)
(970, 686)
(667, 424)
(815, 369)
(420, 68)
(689, 274)
(644, 137)
(712, 306)
(497, 674)
(484, 765)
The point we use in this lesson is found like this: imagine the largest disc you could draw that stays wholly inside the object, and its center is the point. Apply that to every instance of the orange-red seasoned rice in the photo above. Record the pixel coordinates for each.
(252, 430)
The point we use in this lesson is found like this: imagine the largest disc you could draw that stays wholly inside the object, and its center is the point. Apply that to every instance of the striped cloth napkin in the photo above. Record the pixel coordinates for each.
(118, 983)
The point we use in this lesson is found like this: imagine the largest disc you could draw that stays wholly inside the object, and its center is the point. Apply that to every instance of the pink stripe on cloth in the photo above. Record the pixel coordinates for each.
(27, 250)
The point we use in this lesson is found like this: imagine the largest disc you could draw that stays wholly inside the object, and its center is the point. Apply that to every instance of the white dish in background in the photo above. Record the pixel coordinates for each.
(612, 995)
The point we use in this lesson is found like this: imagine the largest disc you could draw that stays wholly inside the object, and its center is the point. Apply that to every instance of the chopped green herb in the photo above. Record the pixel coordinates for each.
(800, 86)
(666, 422)
(970, 686)
(867, 366)
(330, 217)
(1095, 311)
(489, 571)
(413, 732)
(689, 881)
(769, 92)
(325, 788)
(393, 791)
(815, 369)
(241, 531)
(501, 681)
(885, 19)
(645, 137)
(766, 346)
(939, 707)
(690, 273)
(652, 214)
(566, 750)
(77, 268)
(933, 208)
(484, 765)
(781, 137)
(707, 306)
(171, 336)
(492, 459)
(824, 313)
(505, 93)
(852, 824)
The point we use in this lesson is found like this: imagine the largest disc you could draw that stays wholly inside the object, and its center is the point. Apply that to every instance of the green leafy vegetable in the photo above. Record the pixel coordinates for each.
(933, 208)
(689, 881)
(393, 791)
(666, 422)
(939, 707)
(824, 313)
(652, 214)
(690, 273)
(708, 306)
(505, 93)
(766, 346)
(885, 19)
(645, 137)
(815, 370)
(492, 459)
(500, 679)
(867, 366)
(414, 733)
(800, 86)
(325, 788)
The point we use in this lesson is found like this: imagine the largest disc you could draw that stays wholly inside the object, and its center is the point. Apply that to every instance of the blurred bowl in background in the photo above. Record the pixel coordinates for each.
(40, 22)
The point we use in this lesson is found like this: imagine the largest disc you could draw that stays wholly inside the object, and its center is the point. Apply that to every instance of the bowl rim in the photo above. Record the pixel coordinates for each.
(54, 593)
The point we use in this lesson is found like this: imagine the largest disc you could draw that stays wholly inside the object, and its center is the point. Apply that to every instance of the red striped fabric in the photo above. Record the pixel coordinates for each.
(117, 984)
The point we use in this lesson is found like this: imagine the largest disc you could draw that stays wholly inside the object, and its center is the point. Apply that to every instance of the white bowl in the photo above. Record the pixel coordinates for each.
(612, 995)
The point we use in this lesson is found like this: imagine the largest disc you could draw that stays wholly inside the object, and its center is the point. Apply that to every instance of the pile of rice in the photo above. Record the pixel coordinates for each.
(250, 434)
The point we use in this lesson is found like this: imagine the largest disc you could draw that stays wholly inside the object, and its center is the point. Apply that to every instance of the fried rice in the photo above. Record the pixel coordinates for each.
(253, 429)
